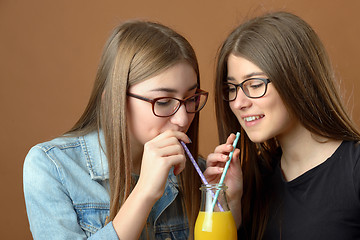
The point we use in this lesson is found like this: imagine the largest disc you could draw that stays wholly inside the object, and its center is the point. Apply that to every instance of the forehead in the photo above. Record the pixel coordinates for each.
(241, 66)
(179, 77)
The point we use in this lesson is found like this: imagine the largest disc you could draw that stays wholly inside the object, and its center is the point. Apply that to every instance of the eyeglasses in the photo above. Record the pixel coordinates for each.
(252, 87)
(168, 106)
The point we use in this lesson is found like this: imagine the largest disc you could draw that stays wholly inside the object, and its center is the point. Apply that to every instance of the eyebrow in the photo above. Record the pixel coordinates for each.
(172, 90)
(247, 76)
(250, 75)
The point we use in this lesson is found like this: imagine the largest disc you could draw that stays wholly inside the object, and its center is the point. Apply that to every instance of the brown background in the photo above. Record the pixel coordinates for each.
(49, 51)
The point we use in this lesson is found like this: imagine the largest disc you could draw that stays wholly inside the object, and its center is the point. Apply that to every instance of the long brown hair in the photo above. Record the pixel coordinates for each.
(291, 54)
(136, 51)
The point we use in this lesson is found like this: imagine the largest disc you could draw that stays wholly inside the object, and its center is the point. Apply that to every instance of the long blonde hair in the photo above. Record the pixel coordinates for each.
(136, 51)
(291, 54)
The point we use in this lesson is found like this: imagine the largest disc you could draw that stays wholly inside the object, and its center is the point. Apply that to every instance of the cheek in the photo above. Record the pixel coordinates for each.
(279, 109)
(235, 111)
(191, 118)
(285, 120)
(141, 121)
(144, 127)
(281, 120)
(231, 105)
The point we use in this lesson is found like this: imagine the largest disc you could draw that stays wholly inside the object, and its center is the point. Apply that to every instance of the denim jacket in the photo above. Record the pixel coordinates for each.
(66, 188)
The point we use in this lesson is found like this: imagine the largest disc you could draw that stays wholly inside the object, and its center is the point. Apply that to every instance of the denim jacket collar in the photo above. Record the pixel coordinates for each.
(170, 193)
(96, 160)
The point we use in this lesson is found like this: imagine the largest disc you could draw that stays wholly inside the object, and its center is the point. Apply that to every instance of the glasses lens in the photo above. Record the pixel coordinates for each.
(254, 88)
(229, 92)
(195, 103)
(164, 107)
(167, 106)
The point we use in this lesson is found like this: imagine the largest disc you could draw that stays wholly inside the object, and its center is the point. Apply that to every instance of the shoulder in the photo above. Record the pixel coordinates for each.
(345, 157)
(71, 155)
(350, 150)
(350, 160)
(51, 158)
(46, 170)
(61, 143)
(51, 150)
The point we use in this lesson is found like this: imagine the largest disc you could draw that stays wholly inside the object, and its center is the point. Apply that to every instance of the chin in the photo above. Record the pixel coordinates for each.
(258, 139)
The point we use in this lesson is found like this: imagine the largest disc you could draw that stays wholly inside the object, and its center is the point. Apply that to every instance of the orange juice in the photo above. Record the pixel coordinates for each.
(214, 226)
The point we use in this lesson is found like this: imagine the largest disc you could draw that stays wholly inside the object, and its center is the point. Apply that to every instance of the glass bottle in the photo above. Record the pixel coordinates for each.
(214, 220)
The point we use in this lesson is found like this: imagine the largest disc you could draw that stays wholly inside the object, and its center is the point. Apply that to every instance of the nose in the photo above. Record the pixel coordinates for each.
(241, 101)
(181, 117)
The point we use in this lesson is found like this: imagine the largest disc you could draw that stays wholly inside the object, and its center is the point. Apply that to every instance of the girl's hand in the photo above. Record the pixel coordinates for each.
(215, 164)
(160, 155)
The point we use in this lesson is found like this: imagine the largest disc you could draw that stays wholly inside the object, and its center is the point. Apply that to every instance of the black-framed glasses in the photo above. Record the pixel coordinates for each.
(252, 88)
(168, 106)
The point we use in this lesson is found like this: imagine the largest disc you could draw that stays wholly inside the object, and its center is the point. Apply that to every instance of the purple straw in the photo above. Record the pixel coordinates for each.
(198, 170)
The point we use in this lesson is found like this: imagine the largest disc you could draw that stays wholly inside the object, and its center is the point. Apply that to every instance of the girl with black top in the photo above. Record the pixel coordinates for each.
(296, 173)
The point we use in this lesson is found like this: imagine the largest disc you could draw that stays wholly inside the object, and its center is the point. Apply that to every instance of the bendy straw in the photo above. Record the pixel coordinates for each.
(198, 170)
(194, 162)
(225, 169)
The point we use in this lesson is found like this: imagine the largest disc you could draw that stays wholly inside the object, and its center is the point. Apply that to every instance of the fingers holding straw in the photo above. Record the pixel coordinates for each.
(222, 178)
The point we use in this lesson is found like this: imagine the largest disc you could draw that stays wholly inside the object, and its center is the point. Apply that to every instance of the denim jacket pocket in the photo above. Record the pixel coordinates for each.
(92, 216)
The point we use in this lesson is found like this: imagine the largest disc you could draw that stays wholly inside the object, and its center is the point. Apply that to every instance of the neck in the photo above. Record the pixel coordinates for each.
(303, 151)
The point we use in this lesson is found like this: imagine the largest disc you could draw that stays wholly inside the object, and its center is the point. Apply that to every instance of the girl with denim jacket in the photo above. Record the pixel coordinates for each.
(120, 172)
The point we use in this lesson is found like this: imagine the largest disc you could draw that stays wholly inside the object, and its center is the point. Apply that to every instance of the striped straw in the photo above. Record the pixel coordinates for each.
(198, 170)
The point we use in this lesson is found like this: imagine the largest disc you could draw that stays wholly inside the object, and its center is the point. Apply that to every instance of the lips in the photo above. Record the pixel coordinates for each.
(252, 118)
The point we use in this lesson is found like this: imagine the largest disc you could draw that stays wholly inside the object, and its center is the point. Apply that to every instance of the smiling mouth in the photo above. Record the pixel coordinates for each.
(253, 118)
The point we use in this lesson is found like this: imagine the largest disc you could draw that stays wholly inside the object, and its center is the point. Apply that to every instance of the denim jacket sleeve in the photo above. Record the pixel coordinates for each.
(49, 206)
